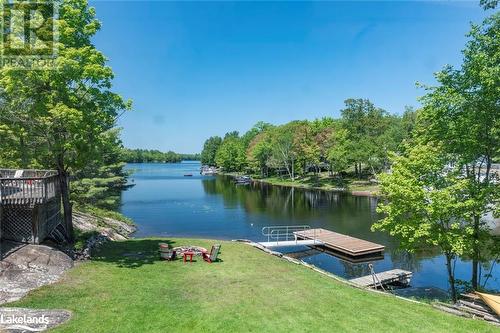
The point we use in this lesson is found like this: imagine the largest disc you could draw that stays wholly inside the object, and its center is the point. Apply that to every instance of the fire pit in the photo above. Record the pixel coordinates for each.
(197, 250)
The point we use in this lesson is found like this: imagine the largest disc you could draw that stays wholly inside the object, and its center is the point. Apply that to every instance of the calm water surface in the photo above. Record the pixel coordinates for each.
(165, 203)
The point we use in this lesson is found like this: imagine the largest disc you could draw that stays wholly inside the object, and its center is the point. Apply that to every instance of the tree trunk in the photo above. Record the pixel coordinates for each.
(356, 169)
(67, 209)
(451, 277)
(475, 253)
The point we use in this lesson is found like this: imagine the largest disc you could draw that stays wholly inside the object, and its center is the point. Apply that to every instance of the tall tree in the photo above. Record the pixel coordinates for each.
(425, 202)
(65, 110)
(462, 114)
(364, 123)
(209, 151)
(338, 154)
(286, 142)
(259, 152)
(231, 154)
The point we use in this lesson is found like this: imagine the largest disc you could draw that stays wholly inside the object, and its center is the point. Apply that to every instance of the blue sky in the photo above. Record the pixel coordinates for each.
(197, 69)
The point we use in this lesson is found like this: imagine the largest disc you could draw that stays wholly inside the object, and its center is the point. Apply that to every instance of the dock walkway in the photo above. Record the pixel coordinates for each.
(387, 277)
(342, 243)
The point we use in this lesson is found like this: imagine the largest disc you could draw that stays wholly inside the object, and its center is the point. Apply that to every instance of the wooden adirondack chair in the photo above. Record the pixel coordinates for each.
(212, 256)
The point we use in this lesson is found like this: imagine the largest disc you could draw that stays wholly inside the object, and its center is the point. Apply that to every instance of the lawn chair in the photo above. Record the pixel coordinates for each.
(166, 253)
(212, 256)
(18, 174)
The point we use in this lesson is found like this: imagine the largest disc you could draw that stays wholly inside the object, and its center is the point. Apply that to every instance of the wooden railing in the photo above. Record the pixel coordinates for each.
(27, 187)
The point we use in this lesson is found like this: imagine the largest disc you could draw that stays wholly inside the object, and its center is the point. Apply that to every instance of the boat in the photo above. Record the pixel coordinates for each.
(188, 175)
(243, 180)
(208, 170)
(493, 301)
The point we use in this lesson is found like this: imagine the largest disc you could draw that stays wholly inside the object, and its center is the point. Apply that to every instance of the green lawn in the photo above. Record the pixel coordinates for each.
(248, 291)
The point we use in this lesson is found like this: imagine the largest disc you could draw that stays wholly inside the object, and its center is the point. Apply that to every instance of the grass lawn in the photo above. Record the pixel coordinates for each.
(248, 291)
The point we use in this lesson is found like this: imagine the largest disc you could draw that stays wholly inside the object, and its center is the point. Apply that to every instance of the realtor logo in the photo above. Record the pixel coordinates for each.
(24, 323)
(29, 34)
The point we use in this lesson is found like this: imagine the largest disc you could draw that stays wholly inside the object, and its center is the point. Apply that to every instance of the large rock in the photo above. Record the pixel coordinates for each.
(30, 267)
(110, 228)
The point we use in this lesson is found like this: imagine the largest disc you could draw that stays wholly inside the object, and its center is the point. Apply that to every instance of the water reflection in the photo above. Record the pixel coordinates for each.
(164, 203)
(342, 213)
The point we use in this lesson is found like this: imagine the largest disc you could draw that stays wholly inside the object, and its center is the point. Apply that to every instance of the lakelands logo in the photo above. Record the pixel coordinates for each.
(24, 323)
(29, 34)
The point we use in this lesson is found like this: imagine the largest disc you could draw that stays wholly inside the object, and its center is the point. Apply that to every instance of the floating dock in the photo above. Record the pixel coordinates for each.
(344, 244)
(384, 278)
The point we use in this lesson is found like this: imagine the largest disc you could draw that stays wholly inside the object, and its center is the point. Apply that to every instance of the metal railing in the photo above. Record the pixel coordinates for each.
(286, 233)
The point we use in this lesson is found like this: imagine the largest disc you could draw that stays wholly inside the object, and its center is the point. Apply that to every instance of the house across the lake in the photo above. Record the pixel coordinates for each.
(30, 205)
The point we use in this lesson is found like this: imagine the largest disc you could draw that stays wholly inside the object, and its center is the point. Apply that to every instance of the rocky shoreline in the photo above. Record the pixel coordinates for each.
(29, 266)
(105, 228)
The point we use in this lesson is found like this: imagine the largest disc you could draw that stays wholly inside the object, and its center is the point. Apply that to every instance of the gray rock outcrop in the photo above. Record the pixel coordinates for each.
(30, 267)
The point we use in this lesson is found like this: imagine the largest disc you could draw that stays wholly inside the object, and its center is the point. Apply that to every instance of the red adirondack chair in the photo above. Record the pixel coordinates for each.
(212, 256)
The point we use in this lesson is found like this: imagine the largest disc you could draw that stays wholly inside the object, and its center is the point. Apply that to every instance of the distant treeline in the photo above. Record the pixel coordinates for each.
(360, 141)
(147, 155)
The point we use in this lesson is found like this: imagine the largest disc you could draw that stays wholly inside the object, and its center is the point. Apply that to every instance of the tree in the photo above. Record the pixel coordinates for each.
(101, 181)
(259, 152)
(425, 203)
(462, 115)
(64, 111)
(210, 150)
(365, 123)
(488, 4)
(258, 128)
(339, 152)
(286, 146)
(231, 154)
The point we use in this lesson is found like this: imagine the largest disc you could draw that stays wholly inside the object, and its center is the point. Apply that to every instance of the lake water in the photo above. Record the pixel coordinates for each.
(165, 203)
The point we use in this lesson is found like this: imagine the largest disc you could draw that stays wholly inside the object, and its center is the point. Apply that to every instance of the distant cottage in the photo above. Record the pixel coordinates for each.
(30, 205)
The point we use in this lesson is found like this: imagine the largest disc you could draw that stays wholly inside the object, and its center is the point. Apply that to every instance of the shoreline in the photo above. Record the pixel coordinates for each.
(363, 191)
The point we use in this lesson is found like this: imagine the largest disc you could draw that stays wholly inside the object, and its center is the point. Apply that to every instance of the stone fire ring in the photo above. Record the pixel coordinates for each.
(197, 250)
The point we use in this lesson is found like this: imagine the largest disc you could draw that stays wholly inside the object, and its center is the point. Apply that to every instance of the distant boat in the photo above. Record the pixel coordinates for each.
(243, 180)
(188, 175)
(208, 171)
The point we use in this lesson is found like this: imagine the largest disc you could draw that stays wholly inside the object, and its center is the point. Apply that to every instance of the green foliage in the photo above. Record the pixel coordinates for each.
(425, 201)
(338, 154)
(231, 154)
(58, 118)
(147, 156)
(427, 204)
(488, 4)
(462, 116)
(364, 136)
(81, 238)
(210, 148)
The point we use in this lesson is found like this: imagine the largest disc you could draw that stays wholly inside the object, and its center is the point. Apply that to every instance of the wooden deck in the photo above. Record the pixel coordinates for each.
(387, 277)
(348, 245)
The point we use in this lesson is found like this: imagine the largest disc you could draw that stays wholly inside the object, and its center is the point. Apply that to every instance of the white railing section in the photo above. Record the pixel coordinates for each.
(286, 235)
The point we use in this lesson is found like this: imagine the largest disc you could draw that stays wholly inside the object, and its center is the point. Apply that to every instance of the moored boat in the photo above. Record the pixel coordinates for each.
(243, 180)
(208, 170)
